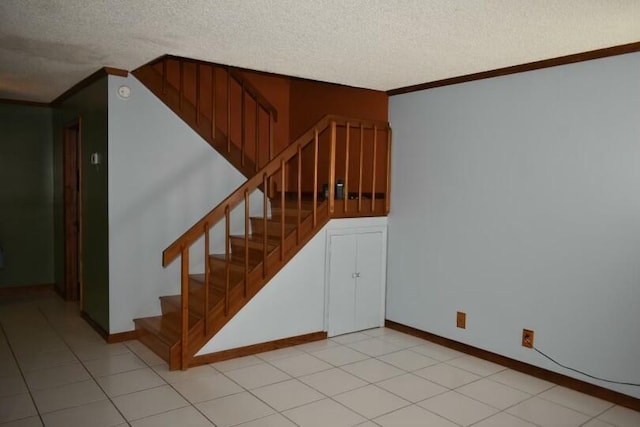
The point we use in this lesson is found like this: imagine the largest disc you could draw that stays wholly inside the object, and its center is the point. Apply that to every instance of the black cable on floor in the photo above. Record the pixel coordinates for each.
(584, 373)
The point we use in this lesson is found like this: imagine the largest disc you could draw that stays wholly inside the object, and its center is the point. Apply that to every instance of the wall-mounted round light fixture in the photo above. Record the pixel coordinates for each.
(124, 92)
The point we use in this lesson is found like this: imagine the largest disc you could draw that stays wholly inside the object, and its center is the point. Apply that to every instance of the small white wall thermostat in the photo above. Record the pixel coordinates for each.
(124, 92)
(95, 158)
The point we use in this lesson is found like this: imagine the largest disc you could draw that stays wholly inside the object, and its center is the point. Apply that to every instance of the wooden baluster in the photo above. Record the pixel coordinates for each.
(228, 109)
(264, 225)
(271, 135)
(207, 278)
(373, 169)
(198, 93)
(360, 172)
(184, 351)
(332, 169)
(346, 170)
(299, 194)
(387, 203)
(242, 127)
(227, 256)
(246, 242)
(164, 76)
(213, 103)
(282, 205)
(271, 146)
(181, 83)
(315, 178)
(257, 128)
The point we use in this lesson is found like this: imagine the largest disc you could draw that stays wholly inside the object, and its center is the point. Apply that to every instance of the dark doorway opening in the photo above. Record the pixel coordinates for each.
(72, 181)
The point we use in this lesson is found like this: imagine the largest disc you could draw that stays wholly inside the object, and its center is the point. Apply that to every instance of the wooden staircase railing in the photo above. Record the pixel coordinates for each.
(207, 96)
(299, 185)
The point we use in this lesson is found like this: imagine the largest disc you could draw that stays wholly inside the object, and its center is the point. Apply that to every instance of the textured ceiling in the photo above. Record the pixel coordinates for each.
(46, 46)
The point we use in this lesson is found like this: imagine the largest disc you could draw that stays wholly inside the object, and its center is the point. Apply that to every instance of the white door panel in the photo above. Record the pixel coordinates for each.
(356, 278)
(368, 281)
(342, 292)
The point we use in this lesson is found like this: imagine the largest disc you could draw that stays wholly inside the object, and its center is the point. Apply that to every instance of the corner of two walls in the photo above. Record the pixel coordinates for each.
(311, 100)
(515, 200)
(301, 103)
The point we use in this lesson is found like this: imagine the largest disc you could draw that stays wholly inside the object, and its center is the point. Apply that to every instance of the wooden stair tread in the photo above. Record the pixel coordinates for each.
(292, 209)
(218, 283)
(196, 307)
(221, 258)
(254, 241)
(167, 327)
(260, 219)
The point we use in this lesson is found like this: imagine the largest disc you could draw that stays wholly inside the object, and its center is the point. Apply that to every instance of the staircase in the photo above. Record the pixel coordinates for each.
(296, 189)
(215, 100)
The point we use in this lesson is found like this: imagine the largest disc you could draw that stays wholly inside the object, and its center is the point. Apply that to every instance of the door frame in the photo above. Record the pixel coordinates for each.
(72, 165)
(346, 230)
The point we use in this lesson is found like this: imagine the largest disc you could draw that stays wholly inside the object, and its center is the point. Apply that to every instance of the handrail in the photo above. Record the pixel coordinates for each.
(237, 196)
(255, 93)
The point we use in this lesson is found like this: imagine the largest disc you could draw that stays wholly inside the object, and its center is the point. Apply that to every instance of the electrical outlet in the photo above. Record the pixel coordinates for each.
(527, 338)
(461, 320)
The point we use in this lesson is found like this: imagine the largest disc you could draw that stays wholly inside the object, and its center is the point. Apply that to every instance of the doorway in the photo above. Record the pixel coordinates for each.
(72, 184)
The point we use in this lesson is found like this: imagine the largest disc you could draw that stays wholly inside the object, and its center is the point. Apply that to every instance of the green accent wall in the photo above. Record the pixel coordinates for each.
(26, 195)
(91, 105)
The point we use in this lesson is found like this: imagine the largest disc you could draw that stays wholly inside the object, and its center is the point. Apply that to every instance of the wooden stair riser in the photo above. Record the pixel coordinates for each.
(274, 229)
(153, 342)
(218, 262)
(173, 304)
(256, 247)
(307, 205)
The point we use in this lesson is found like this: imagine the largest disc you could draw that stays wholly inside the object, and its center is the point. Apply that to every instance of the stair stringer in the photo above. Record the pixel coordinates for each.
(292, 303)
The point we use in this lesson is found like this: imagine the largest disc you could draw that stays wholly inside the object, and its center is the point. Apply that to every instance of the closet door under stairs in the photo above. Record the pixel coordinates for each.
(356, 281)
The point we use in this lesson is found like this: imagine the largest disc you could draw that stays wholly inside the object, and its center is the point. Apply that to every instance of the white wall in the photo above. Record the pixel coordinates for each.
(163, 178)
(517, 200)
(293, 302)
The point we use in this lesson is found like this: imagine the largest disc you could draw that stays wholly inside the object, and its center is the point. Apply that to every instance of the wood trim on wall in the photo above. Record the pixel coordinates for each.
(554, 377)
(110, 338)
(256, 348)
(250, 70)
(12, 291)
(123, 336)
(24, 103)
(102, 72)
(546, 63)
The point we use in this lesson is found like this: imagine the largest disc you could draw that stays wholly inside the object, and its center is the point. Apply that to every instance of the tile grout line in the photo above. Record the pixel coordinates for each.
(33, 402)
(93, 378)
(40, 309)
(278, 382)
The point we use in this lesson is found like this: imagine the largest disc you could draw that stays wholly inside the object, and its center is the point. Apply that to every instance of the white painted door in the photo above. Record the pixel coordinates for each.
(369, 290)
(356, 282)
(342, 289)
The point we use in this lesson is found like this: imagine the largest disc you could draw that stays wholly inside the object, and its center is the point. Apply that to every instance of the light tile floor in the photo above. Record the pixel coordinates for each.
(56, 371)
